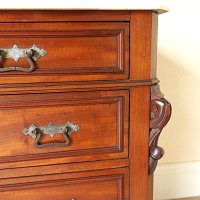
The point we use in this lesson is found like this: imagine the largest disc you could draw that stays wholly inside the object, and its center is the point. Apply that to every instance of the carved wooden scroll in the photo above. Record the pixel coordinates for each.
(160, 115)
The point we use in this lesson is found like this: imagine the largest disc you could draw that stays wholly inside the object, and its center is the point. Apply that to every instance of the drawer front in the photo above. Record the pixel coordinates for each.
(96, 185)
(78, 51)
(102, 117)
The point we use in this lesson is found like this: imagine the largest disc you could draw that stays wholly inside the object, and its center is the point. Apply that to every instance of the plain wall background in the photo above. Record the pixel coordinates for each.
(178, 172)
(179, 73)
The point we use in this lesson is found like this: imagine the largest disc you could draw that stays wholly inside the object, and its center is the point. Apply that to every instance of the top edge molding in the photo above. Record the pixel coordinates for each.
(154, 5)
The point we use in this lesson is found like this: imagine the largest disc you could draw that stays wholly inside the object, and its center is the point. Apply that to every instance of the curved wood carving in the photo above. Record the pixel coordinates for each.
(160, 115)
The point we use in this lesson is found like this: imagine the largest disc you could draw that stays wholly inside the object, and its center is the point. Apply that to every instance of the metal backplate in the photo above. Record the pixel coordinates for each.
(17, 53)
(51, 129)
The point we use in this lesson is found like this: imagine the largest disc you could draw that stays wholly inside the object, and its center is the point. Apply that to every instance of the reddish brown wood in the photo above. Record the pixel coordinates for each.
(143, 45)
(140, 44)
(75, 51)
(61, 168)
(111, 184)
(150, 186)
(71, 87)
(97, 73)
(62, 15)
(138, 150)
(102, 117)
(101, 169)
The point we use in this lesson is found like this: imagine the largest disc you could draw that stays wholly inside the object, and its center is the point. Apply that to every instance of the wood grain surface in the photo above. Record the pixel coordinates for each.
(98, 71)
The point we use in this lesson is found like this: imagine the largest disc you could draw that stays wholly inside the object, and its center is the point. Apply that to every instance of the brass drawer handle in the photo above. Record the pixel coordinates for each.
(37, 132)
(32, 54)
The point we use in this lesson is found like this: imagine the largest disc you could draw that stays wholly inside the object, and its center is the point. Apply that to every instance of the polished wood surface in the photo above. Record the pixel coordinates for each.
(140, 47)
(75, 51)
(138, 149)
(98, 73)
(98, 185)
(63, 15)
(102, 117)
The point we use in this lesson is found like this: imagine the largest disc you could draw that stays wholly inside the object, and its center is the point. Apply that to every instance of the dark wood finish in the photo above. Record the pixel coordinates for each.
(160, 115)
(98, 73)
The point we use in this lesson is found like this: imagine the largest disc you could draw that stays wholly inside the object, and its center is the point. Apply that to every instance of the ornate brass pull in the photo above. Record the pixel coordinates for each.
(37, 132)
(32, 54)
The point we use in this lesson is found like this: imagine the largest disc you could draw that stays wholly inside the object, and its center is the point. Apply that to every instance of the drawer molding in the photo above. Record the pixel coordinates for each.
(106, 42)
(90, 142)
(22, 186)
(58, 169)
(107, 183)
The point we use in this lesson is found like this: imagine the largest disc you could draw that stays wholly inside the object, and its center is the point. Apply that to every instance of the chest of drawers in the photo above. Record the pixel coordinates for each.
(80, 107)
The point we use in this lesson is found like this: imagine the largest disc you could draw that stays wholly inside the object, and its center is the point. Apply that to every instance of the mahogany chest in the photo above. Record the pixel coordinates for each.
(80, 108)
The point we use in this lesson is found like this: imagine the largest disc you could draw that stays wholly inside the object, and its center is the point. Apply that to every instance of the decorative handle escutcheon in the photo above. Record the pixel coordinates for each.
(51, 129)
(31, 54)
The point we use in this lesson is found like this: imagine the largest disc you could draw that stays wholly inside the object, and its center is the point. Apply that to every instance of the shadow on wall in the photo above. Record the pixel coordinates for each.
(180, 138)
(182, 134)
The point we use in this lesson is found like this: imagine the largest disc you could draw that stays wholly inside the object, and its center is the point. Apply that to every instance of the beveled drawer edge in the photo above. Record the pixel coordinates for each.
(119, 175)
(25, 172)
(41, 15)
(60, 160)
(119, 148)
(72, 86)
(60, 182)
(120, 33)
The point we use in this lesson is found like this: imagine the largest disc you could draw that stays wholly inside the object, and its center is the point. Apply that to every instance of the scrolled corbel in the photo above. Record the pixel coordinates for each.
(160, 110)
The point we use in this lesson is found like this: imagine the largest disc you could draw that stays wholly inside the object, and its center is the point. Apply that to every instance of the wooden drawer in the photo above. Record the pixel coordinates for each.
(76, 51)
(95, 185)
(102, 117)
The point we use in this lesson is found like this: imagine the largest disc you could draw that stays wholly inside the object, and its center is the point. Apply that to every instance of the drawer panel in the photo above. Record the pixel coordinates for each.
(96, 185)
(102, 117)
(78, 51)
